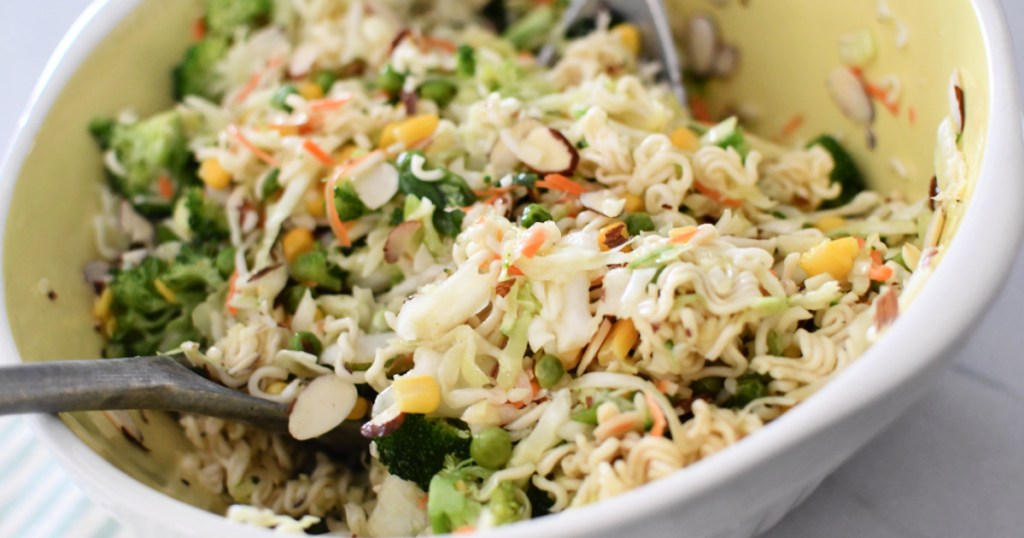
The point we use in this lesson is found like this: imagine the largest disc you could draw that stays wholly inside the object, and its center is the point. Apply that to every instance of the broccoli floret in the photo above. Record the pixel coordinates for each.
(749, 387)
(197, 72)
(154, 301)
(452, 499)
(348, 203)
(102, 129)
(206, 218)
(224, 16)
(845, 172)
(147, 151)
(312, 269)
(417, 450)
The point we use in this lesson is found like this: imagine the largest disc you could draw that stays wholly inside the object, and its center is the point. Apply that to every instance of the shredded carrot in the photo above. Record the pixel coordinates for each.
(700, 110)
(236, 133)
(318, 152)
(231, 293)
(199, 29)
(534, 241)
(250, 86)
(716, 196)
(684, 237)
(876, 257)
(485, 263)
(423, 502)
(468, 529)
(791, 126)
(558, 182)
(882, 96)
(661, 385)
(323, 105)
(254, 80)
(658, 429)
(515, 271)
(438, 43)
(165, 187)
(912, 115)
(861, 242)
(880, 273)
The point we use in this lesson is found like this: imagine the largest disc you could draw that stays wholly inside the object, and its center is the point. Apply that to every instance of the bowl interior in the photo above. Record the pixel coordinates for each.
(787, 49)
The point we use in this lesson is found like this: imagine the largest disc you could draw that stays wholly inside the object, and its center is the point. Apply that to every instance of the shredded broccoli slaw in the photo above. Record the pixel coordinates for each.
(539, 288)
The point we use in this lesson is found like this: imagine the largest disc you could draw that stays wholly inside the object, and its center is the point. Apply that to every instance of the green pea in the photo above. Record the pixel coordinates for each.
(535, 213)
(438, 90)
(637, 223)
(391, 81)
(279, 99)
(491, 448)
(549, 371)
(325, 79)
(226, 262)
(306, 341)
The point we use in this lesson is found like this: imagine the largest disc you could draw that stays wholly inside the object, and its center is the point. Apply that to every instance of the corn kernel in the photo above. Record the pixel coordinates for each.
(827, 224)
(277, 387)
(612, 236)
(620, 340)
(310, 91)
(410, 131)
(833, 257)
(418, 394)
(315, 204)
(634, 203)
(164, 291)
(296, 243)
(214, 175)
(685, 139)
(101, 308)
(629, 35)
(359, 410)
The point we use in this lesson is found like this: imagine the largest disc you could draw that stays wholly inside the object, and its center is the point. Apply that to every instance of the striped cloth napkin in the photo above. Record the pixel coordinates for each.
(37, 498)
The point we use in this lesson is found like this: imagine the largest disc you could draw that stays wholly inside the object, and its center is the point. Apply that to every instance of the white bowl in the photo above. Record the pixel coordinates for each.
(738, 492)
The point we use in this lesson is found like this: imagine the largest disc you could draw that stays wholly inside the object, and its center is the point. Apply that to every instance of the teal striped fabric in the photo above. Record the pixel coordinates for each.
(37, 498)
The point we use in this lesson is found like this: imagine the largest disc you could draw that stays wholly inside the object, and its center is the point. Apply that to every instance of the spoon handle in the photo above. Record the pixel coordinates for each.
(136, 383)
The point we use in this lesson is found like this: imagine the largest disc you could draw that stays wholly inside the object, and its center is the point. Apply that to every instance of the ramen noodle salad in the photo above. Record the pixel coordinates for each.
(538, 287)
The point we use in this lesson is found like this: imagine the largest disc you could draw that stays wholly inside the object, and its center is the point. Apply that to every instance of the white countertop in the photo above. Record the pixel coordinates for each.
(952, 466)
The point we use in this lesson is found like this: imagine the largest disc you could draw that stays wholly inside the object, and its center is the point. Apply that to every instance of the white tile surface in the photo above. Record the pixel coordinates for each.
(952, 466)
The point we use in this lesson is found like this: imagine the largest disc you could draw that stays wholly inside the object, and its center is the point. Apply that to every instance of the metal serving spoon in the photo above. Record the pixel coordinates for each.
(158, 383)
(649, 16)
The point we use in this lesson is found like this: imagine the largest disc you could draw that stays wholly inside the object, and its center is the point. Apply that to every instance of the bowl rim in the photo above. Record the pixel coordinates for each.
(945, 309)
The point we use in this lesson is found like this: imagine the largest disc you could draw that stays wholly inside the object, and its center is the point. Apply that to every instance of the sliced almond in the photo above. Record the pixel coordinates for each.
(604, 202)
(383, 424)
(321, 407)
(702, 44)
(400, 238)
(727, 61)
(139, 229)
(542, 149)
(849, 94)
(957, 107)
(376, 186)
(302, 60)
